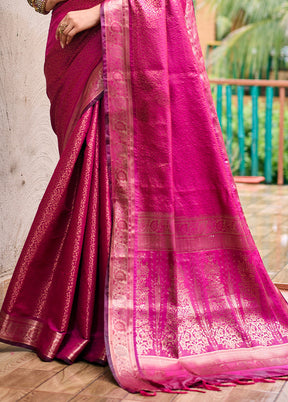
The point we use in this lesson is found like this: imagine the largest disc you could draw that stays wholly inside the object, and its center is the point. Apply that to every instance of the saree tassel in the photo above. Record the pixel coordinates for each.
(280, 378)
(267, 380)
(148, 393)
(210, 387)
(172, 391)
(201, 391)
(244, 382)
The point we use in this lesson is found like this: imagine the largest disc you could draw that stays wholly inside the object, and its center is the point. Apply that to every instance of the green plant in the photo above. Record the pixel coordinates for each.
(261, 142)
(253, 34)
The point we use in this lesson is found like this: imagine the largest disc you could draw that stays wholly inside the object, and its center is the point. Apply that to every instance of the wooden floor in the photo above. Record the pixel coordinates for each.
(23, 376)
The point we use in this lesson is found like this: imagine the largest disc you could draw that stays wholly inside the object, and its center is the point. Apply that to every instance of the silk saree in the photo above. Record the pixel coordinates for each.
(139, 254)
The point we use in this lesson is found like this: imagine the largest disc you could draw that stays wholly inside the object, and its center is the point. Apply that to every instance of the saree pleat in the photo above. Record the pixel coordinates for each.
(51, 304)
(86, 325)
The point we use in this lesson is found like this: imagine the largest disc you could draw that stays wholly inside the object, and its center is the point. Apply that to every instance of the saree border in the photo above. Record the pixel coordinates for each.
(119, 317)
(27, 332)
(230, 364)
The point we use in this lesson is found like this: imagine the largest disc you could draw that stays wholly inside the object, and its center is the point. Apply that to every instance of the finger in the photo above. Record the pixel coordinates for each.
(58, 32)
(71, 35)
(60, 29)
(64, 36)
(62, 40)
(68, 29)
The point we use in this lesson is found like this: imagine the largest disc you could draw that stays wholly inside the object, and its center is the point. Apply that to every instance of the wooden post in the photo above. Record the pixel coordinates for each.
(241, 133)
(219, 104)
(268, 135)
(255, 130)
(256, 84)
(229, 122)
(280, 179)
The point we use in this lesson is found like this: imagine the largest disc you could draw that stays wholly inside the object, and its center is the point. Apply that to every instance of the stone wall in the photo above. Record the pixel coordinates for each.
(28, 145)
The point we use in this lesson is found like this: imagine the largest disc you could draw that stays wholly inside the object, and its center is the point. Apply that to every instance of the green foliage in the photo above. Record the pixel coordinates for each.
(256, 10)
(223, 26)
(248, 137)
(259, 32)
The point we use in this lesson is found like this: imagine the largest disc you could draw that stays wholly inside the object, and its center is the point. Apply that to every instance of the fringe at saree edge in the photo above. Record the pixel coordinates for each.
(215, 384)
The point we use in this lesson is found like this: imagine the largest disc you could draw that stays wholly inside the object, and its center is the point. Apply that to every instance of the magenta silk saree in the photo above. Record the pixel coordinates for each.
(139, 252)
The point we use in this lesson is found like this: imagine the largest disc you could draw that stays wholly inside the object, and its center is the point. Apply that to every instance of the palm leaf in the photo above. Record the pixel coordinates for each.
(261, 34)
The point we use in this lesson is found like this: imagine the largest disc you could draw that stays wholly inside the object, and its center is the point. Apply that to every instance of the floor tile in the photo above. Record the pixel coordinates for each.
(160, 397)
(41, 396)
(209, 396)
(105, 386)
(73, 378)
(23, 378)
(38, 364)
(239, 395)
(283, 395)
(11, 395)
(96, 399)
(10, 360)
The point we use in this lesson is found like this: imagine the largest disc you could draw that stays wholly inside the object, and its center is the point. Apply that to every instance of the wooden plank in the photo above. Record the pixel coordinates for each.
(41, 396)
(23, 378)
(38, 364)
(283, 395)
(106, 386)
(281, 286)
(161, 397)
(12, 358)
(250, 395)
(11, 395)
(255, 129)
(73, 378)
(246, 82)
(209, 396)
(249, 179)
(95, 398)
(280, 179)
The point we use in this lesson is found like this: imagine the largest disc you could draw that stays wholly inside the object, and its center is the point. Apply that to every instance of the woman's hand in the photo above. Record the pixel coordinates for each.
(50, 4)
(75, 22)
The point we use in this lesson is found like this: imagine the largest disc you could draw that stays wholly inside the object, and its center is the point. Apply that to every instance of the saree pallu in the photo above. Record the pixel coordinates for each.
(188, 300)
(141, 225)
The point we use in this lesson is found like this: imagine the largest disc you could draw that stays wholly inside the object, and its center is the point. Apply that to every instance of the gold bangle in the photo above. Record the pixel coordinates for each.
(39, 6)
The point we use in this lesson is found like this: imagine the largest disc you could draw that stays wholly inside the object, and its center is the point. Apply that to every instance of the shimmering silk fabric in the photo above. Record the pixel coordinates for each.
(143, 187)
(55, 301)
(189, 300)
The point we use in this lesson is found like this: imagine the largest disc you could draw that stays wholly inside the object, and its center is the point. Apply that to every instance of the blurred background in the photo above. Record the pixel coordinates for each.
(245, 44)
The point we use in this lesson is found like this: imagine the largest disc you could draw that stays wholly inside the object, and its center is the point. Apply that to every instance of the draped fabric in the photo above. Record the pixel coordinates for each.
(55, 300)
(189, 299)
(139, 252)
